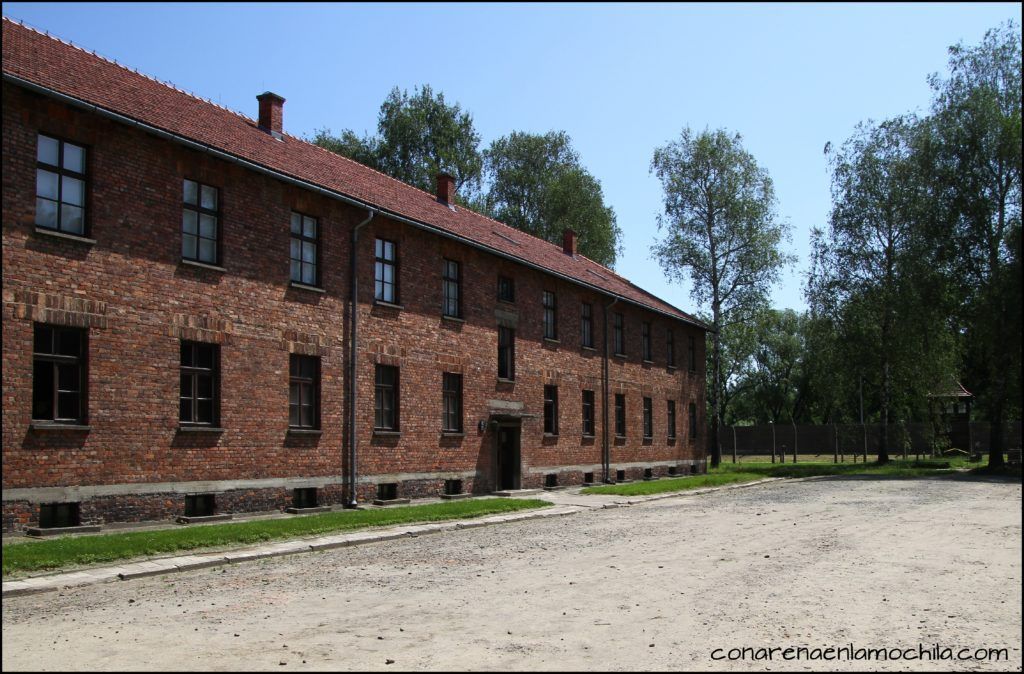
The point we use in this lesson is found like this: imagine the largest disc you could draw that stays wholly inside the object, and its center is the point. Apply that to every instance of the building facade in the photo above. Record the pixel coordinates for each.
(180, 336)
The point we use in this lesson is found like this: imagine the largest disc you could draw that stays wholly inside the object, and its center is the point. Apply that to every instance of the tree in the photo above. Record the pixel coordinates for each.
(363, 150)
(976, 125)
(874, 268)
(721, 232)
(418, 136)
(537, 185)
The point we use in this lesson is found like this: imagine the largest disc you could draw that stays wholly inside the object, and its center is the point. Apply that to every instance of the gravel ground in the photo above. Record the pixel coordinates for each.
(870, 562)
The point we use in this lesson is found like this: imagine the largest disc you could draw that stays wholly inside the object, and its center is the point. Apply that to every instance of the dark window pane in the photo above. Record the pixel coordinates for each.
(67, 377)
(42, 390)
(191, 192)
(69, 342)
(67, 405)
(204, 411)
(204, 356)
(43, 339)
(46, 184)
(185, 410)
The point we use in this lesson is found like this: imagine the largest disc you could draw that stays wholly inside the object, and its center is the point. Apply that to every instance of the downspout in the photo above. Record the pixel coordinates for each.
(354, 345)
(606, 454)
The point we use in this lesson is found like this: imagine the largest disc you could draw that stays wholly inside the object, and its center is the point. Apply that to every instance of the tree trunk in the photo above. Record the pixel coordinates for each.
(716, 394)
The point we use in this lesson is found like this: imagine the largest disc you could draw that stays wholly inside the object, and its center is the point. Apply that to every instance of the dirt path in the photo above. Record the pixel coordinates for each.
(875, 563)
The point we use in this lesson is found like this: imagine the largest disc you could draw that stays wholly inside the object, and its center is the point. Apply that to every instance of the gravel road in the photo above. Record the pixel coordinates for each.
(876, 563)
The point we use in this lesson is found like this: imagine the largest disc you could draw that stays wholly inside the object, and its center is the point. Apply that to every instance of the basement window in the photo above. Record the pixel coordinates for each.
(671, 470)
(648, 473)
(200, 505)
(387, 491)
(551, 480)
(588, 477)
(452, 487)
(304, 497)
(57, 515)
(693, 469)
(620, 475)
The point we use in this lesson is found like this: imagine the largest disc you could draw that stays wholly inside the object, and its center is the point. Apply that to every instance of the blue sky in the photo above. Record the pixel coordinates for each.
(620, 79)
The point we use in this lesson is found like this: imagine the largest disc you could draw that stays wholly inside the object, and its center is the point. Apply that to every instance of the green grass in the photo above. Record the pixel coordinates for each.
(729, 473)
(673, 484)
(81, 550)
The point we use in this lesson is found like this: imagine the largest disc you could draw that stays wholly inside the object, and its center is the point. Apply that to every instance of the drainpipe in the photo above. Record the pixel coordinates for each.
(606, 454)
(352, 388)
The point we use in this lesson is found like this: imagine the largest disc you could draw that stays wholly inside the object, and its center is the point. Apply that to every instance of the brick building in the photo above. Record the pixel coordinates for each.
(180, 335)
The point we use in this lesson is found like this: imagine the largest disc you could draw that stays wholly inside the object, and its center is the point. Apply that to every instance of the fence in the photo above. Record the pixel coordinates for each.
(855, 441)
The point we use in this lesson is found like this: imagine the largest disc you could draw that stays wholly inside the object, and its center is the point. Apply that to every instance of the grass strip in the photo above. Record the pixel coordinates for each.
(729, 473)
(673, 484)
(81, 550)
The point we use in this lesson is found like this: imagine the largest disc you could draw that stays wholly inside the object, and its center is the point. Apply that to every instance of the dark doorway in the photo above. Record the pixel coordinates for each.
(508, 458)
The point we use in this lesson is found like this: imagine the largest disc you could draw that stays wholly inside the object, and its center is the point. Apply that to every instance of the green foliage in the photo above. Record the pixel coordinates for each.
(77, 550)
(721, 233)
(537, 185)
(975, 155)
(419, 135)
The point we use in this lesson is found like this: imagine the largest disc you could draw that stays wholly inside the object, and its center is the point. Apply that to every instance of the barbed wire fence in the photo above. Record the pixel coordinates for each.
(843, 443)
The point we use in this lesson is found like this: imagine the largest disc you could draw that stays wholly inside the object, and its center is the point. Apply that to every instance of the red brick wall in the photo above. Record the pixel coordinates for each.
(138, 300)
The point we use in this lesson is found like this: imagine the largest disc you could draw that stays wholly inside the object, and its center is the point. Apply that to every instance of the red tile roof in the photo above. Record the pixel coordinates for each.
(43, 60)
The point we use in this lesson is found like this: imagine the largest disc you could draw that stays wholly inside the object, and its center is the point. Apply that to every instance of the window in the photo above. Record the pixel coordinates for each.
(586, 325)
(671, 419)
(506, 289)
(693, 421)
(671, 348)
(200, 229)
(550, 316)
(305, 250)
(451, 290)
(451, 414)
(60, 185)
(648, 418)
(385, 401)
(588, 413)
(304, 392)
(58, 374)
(200, 370)
(620, 415)
(692, 347)
(385, 271)
(619, 341)
(645, 340)
(551, 410)
(506, 353)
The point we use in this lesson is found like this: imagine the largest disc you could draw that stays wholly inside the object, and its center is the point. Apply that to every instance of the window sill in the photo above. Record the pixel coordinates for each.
(47, 426)
(551, 435)
(380, 433)
(588, 348)
(64, 235)
(200, 429)
(303, 286)
(502, 380)
(671, 368)
(453, 319)
(203, 265)
(588, 436)
(304, 431)
(387, 305)
(452, 434)
(647, 362)
(548, 340)
(510, 303)
(619, 355)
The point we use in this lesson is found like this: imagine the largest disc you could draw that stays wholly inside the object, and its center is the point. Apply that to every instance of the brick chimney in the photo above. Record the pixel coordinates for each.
(569, 242)
(271, 114)
(445, 188)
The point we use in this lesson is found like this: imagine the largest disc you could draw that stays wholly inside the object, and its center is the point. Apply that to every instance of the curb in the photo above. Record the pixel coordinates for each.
(192, 562)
